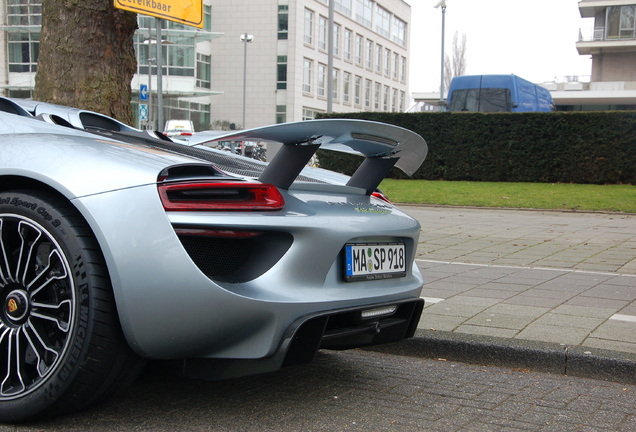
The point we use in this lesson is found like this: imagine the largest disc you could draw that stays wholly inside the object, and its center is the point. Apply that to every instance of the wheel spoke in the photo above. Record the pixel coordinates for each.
(29, 236)
(45, 355)
(13, 382)
(57, 313)
(5, 269)
(53, 270)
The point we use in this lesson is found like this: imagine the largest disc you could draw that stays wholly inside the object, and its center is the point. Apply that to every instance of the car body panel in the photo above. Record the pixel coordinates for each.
(168, 307)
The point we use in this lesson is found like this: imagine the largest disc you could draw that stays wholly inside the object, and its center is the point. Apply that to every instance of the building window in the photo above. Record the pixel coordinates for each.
(399, 31)
(620, 22)
(387, 61)
(180, 57)
(307, 66)
(309, 27)
(24, 13)
(403, 69)
(207, 18)
(378, 58)
(334, 84)
(367, 93)
(385, 99)
(346, 88)
(310, 113)
(322, 33)
(358, 50)
(364, 12)
(402, 101)
(347, 44)
(320, 83)
(281, 114)
(336, 39)
(176, 108)
(382, 21)
(396, 65)
(283, 22)
(24, 50)
(376, 97)
(203, 70)
(357, 90)
(394, 99)
(343, 6)
(281, 73)
(369, 54)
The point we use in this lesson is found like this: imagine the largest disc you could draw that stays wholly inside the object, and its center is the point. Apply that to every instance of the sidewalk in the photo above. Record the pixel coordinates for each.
(543, 290)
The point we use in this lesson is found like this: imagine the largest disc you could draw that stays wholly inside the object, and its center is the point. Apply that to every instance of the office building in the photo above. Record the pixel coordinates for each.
(283, 64)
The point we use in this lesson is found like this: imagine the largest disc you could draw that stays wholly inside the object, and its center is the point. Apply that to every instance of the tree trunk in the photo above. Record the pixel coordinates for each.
(87, 57)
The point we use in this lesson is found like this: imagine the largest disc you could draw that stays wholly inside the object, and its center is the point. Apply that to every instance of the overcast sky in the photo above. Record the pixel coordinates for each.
(535, 40)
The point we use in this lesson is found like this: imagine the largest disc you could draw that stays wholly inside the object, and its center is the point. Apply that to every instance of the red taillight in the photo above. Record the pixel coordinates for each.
(380, 195)
(189, 196)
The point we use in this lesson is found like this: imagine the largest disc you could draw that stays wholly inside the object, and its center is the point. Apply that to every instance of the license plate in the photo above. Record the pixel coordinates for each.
(374, 261)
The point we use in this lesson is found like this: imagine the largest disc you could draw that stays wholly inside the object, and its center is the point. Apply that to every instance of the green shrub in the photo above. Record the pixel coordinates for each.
(566, 147)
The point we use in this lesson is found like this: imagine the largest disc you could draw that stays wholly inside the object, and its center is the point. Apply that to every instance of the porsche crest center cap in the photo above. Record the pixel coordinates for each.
(16, 305)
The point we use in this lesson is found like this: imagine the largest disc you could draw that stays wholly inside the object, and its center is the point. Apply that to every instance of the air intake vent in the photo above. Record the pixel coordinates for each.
(234, 259)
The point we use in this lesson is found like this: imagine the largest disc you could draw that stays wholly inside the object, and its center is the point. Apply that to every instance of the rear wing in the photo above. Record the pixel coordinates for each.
(383, 146)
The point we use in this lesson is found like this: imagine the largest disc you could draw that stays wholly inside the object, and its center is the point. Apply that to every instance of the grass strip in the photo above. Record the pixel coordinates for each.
(554, 196)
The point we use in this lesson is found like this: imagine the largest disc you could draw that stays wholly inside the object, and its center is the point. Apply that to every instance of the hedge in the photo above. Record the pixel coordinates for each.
(565, 147)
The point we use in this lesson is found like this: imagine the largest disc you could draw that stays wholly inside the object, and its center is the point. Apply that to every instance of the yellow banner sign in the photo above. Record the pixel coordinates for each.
(189, 12)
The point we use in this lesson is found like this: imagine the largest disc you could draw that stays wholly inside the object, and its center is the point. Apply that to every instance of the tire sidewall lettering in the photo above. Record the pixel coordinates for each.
(23, 204)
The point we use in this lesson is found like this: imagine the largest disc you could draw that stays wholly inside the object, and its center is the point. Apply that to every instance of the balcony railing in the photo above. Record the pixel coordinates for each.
(599, 34)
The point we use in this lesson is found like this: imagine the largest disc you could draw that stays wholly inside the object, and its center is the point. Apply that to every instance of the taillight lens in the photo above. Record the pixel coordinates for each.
(381, 196)
(236, 196)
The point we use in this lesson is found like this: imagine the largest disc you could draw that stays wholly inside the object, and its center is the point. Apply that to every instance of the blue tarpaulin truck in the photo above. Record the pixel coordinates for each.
(497, 93)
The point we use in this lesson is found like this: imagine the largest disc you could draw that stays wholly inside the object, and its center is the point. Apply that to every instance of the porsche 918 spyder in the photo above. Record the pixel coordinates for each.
(119, 245)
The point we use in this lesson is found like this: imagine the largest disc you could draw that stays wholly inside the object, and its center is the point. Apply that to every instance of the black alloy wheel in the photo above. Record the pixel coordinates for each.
(61, 347)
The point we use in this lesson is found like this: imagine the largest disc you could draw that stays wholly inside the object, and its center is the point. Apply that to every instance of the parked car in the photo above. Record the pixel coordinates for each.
(118, 245)
(178, 128)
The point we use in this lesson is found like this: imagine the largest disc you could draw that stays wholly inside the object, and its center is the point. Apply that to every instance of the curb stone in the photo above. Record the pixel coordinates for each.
(517, 354)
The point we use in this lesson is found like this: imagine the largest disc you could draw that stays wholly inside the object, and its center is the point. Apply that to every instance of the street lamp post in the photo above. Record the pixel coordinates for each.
(159, 75)
(442, 4)
(245, 38)
(330, 41)
(151, 60)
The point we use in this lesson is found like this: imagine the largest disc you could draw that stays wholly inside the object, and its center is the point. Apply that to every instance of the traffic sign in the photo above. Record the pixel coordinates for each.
(143, 112)
(143, 92)
(189, 12)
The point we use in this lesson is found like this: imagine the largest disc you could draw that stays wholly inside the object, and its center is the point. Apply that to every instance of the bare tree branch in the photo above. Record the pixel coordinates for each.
(457, 65)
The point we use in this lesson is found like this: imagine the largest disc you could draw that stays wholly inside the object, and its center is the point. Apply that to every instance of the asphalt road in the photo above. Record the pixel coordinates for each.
(362, 391)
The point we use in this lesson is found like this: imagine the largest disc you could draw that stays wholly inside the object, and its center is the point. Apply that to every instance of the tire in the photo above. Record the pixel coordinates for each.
(61, 345)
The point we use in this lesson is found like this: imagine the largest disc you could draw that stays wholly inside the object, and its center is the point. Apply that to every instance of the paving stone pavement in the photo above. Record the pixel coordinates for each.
(512, 284)
(603, 242)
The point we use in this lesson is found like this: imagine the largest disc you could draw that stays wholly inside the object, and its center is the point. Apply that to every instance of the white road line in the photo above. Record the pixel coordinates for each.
(569, 270)
(620, 317)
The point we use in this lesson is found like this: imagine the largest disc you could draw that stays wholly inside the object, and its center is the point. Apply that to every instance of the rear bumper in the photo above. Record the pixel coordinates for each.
(336, 330)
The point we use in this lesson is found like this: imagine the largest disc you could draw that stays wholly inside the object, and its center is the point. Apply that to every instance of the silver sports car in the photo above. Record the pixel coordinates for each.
(118, 245)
